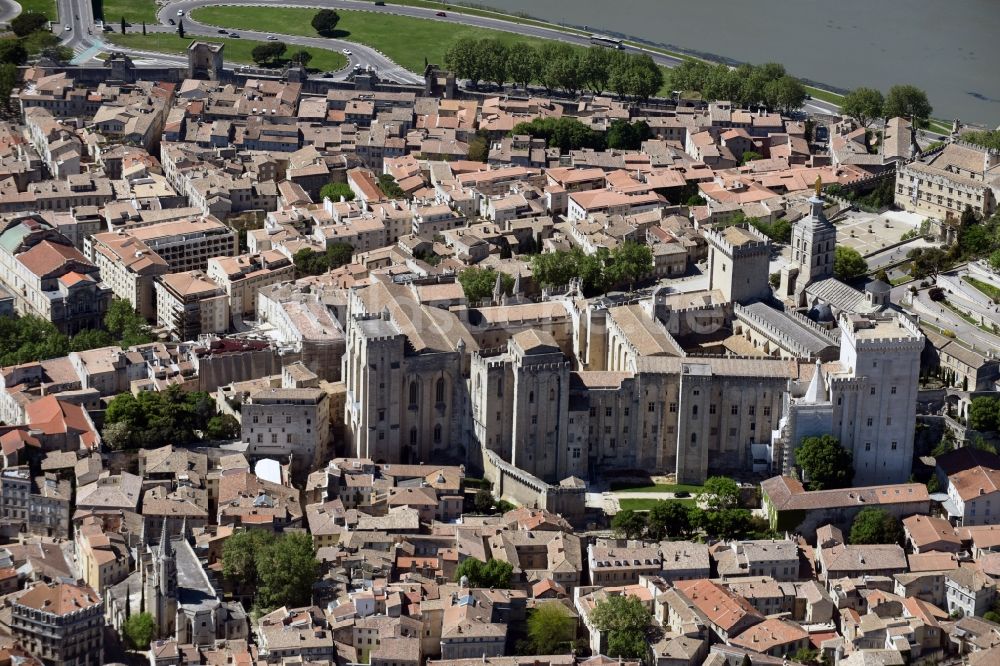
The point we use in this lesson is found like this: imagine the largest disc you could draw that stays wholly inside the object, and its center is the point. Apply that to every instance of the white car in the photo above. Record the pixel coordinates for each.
(68, 28)
(272, 38)
(180, 12)
(347, 52)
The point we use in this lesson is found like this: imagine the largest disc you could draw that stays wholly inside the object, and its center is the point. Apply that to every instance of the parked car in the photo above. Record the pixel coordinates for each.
(272, 38)
(440, 14)
(180, 12)
(347, 52)
(68, 28)
(171, 22)
(222, 31)
(234, 35)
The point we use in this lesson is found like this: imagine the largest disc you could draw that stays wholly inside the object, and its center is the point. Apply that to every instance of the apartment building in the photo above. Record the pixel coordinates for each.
(188, 244)
(242, 277)
(61, 623)
(189, 304)
(128, 267)
(50, 278)
(103, 555)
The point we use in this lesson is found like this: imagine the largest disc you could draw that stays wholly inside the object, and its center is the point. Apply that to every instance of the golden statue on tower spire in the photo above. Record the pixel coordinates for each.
(819, 186)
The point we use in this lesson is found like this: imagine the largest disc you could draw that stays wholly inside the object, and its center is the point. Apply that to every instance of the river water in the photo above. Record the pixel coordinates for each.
(950, 48)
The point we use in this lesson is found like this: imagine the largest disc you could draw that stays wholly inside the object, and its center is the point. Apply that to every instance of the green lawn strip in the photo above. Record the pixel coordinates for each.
(407, 41)
(133, 11)
(624, 486)
(237, 50)
(989, 290)
(825, 95)
(643, 504)
(47, 7)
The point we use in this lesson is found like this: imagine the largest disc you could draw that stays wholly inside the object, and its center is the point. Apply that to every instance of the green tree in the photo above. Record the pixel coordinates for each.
(479, 149)
(387, 183)
(666, 519)
(8, 81)
(626, 622)
(873, 526)
(787, 94)
(30, 338)
(595, 68)
(906, 101)
(629, 262)
(994, 260)
(863, 105)
(553, 269)
(493, 56)
(239, 556)
(462, 58)
(287, 570)
(984, 414)
(12, 52)
(563, 69)
(493, 574)
(986, 139)
(522, 65)
(690, 75)
(805, 655)
(325, 21)
(551, 628)
(848, 263)
(126, 325)
(564, 133)
(624, 135)
(478, 283)
(302, 57)
(826, 463)
(139, 631)
(483, 501)
(116, 436)
(629, 524)
(223, 426)
(334, 192)
(269, 53)
(28, 22)
(750, 156)
(90, 338)
(719, 493)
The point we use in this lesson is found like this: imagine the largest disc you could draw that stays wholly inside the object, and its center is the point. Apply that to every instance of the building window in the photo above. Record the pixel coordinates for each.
(413, 394)
(767, 410)
(894, 446)
(870, 421)
(651, 407)
(873, 390)
(673, 407)
(694, 439)
(868, 446)
(437, 433)
(413, 436)
(607, 411)
(751, 410)
(735, 410)
(694, 410)
(531, 397)
(892, 390)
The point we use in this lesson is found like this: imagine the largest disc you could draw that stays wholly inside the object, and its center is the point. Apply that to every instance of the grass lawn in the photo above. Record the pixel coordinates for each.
(134, 11)
(47, 7)
(237, 50)
(405, 40)
(625, 486)
(825, 95)
(641, 504)
(985, 287)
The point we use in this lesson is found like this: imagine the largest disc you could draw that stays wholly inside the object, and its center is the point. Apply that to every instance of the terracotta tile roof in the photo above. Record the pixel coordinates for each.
(47, 258)
(770, 633)
(59, 599)
(972, 483)
(925, 530)
(722, 607)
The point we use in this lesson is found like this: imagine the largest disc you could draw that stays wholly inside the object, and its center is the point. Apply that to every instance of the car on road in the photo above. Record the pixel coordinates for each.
(180, 12)
(222, 31)
(440, 14)
(272, 38)
(234, 35)
(347, 52)
(327, 75)
(68, 28)
(171, 22)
